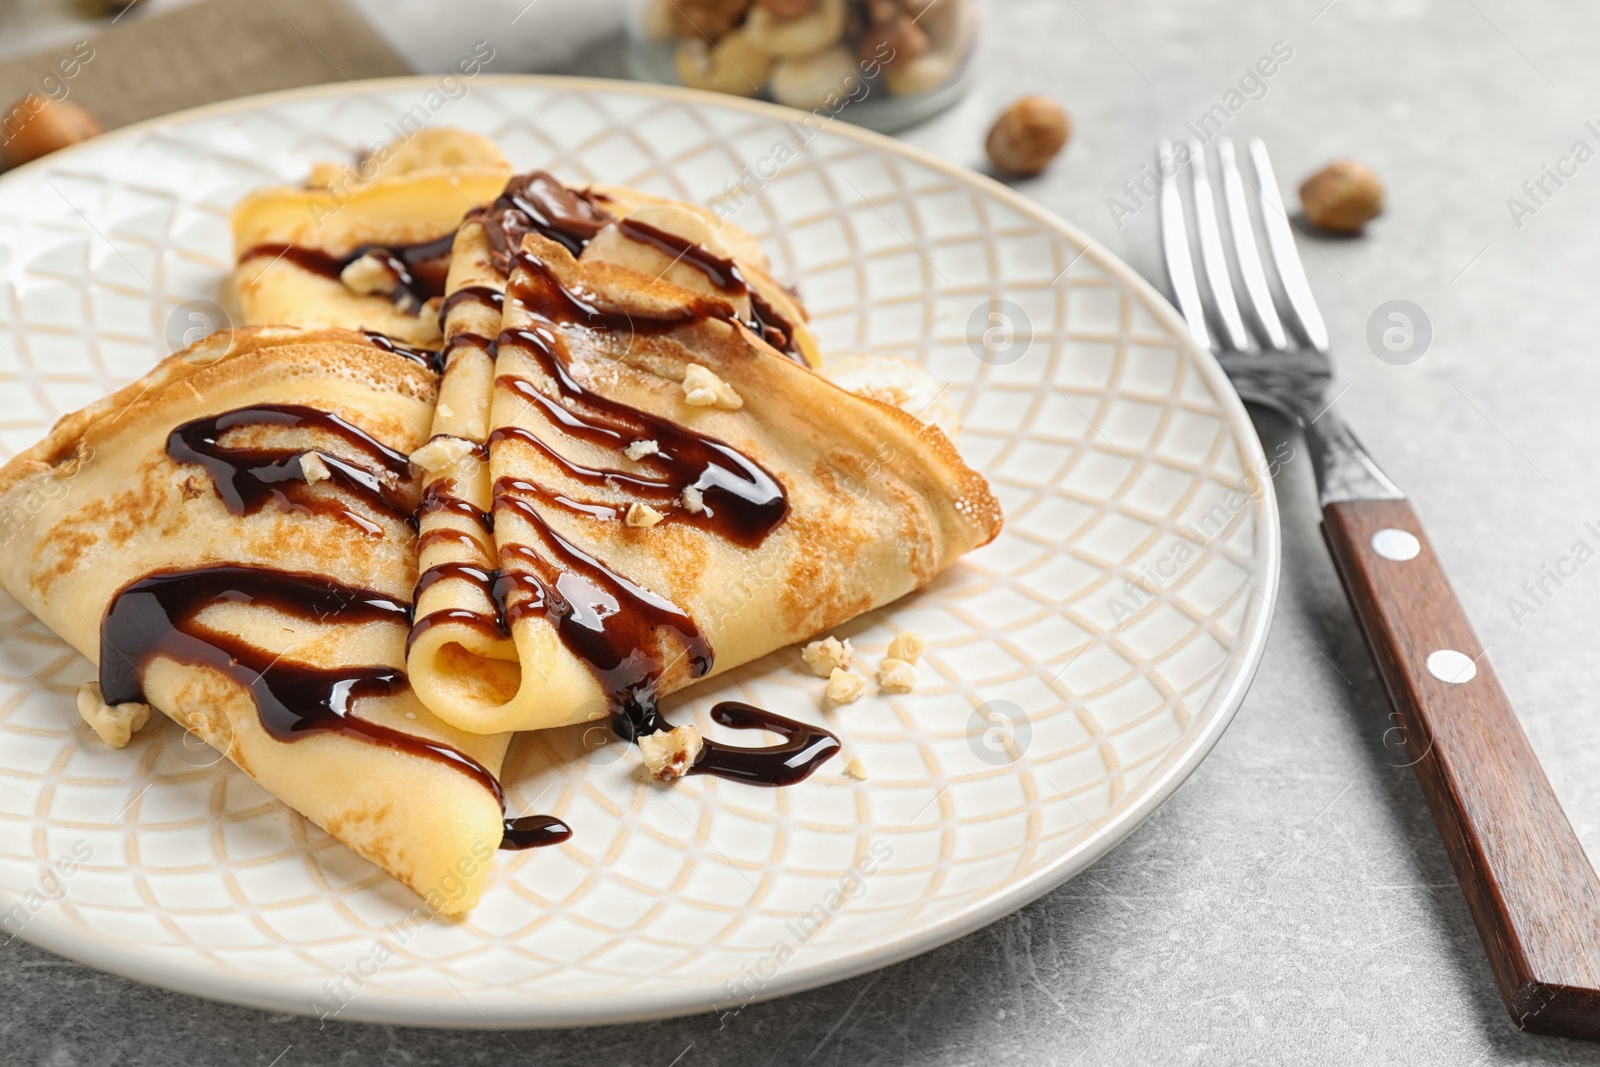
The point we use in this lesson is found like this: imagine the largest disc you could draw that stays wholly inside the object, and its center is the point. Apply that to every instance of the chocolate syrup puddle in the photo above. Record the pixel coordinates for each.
(155, 616)
(248, 478)
(534, 831)
(805, 748)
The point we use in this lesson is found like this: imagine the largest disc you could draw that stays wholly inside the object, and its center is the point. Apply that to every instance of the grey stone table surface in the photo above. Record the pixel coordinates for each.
(1292, 903)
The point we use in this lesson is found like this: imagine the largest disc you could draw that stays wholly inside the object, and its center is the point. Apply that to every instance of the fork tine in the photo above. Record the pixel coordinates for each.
(1212, 254)
(1175, 249)
(1285, 257)
(1244, 247)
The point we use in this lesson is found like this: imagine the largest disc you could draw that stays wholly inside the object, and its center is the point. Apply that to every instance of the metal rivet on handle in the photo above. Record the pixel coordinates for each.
(1451, 666)
(1395, 544)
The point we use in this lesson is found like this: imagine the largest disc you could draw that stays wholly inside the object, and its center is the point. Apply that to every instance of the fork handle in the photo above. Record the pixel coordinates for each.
(1533, 893)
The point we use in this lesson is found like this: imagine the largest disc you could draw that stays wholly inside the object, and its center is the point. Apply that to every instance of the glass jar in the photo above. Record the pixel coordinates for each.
(884, 64)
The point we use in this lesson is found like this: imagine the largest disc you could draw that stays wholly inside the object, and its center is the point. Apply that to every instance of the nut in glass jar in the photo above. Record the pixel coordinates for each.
(880, 63)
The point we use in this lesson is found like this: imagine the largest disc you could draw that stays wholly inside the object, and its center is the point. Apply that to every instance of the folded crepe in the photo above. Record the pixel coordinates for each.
(364, 246)
(670, 491)
(228, 540)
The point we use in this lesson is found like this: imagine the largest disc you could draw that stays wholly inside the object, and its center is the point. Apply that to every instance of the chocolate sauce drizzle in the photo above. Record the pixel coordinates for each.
(742, 501)
(157, 616)
(536, 202)
(724, 275)
(615, 626)
(428, 357)
(419, 269)
(246, 479)
(483, 295)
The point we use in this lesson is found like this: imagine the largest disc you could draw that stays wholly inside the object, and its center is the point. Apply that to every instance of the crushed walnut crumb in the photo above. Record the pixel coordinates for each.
(702, 388)
(441, 453)
(845, 687)
(313, 469)
(640, 449)
(824, 655)
(114, 724)
(896, 676)
(693, 500)
(669, 754)
(908, 646)
(370, 276)
(642, 515)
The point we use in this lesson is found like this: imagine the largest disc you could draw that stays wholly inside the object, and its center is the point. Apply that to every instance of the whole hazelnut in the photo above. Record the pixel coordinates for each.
(36, 126)
(706, 18)
(1342, 197)
(788, 9)
(1027, 136)
(898, 41)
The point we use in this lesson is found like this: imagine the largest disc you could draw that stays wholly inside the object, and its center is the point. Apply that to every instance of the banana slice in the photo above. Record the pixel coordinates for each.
(899, 383)
(733, 64)
(811, 82)
(801, 36)
(611, 245)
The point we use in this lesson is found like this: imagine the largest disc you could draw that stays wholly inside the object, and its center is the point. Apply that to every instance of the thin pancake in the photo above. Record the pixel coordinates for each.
(228, 539)
(803, 508)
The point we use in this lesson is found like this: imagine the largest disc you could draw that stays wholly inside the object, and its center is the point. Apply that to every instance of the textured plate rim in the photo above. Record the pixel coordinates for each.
(378, 1006)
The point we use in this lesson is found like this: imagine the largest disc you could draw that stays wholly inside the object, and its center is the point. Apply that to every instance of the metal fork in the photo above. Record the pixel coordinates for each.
(1533, 893)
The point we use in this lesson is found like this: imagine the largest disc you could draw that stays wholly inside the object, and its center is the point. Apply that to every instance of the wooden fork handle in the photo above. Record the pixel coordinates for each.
(1533, 893)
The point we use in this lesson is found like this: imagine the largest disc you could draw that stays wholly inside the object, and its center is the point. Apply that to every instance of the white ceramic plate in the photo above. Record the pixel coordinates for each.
(1079, 668)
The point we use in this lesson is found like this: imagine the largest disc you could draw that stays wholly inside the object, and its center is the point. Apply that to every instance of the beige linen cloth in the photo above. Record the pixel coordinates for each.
(148, 65)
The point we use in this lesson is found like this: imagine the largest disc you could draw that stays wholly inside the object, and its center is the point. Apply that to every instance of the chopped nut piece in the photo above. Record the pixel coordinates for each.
(1342, 197)
(669, 754)
(1027, 136)
(896, 676)
(854, 769)
(693, 500)
(115, 725)
(642, 515)
(703, 389)
(640, 449)
(845, 687)
(907, 645)
(313, 469)
(369, 275)
(825, 655)
(441, 453)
